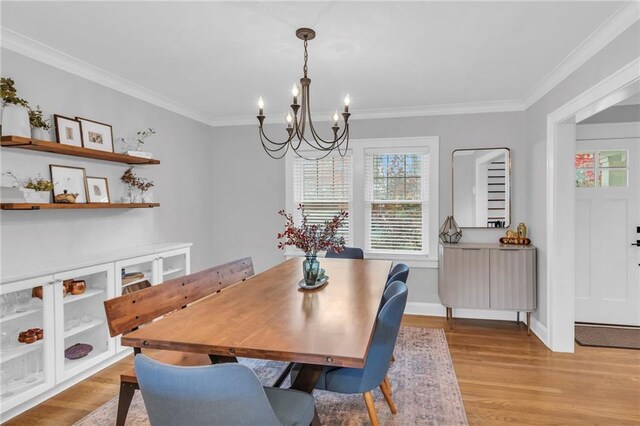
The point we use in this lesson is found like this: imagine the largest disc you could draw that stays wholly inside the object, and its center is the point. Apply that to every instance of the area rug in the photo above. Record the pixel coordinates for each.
(425, 389)
(608, 336)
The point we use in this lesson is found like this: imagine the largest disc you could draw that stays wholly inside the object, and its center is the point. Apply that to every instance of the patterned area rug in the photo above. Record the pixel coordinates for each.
(424, 385)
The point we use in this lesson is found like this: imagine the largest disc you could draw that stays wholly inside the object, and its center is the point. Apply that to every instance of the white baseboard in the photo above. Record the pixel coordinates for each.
(437, 310)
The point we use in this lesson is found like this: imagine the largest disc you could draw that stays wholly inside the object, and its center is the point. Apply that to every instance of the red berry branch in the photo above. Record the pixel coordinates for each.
(312, 238)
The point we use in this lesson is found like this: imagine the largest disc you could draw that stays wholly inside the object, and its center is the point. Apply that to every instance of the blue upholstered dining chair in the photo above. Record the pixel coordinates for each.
(374, 373)
(347, 253)
(221, 394)
(400, 272)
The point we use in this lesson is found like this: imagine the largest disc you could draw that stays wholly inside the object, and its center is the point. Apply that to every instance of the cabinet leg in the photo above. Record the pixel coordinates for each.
(518, 318)
(528, 323)
(450, 318)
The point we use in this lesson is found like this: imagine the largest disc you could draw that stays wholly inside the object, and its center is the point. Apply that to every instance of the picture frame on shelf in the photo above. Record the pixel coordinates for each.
(96, 135)
(70, 179)
(68, 130)
(98, 190)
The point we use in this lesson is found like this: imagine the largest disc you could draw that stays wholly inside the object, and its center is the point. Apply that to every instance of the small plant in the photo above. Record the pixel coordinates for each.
(9, 94)
(37, 184)
(36, 119)
(130, 179)
(139, 139)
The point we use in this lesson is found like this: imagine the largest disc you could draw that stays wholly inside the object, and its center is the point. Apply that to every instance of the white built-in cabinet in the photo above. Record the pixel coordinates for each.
(30, 373)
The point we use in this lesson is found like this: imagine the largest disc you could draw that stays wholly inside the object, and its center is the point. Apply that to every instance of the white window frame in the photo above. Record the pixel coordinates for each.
(358, 213)
(424, 202)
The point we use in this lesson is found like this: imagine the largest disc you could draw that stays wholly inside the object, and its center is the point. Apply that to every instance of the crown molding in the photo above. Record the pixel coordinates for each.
(402, 112)
(615, 25)
(41, 52)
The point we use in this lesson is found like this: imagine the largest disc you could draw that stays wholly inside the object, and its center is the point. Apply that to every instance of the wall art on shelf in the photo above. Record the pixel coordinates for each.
(96, 135)
(98, 190)
(71, 180)
(68, 130)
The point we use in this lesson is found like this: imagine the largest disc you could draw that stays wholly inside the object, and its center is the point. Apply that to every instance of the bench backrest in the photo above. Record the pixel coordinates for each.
(127, 312)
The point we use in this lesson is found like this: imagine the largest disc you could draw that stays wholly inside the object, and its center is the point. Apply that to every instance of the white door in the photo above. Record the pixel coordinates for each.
(607, 221)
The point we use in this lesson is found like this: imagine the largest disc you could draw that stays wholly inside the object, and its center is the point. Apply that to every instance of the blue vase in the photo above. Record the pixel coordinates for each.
(310, 269)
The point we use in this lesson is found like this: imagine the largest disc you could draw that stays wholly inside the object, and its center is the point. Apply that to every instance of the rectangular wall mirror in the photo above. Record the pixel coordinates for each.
(482, 187)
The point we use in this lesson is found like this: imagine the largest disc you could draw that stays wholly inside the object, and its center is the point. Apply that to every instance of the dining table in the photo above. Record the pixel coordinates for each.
(268, 316)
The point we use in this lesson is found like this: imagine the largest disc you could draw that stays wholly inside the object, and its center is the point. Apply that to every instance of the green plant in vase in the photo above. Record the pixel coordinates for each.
(312, 238)
(15, 114)
(39, 125)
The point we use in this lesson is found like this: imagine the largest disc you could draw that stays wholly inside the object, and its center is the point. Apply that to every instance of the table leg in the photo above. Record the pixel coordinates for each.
(283, 376)
(221, 359)
(307, 377)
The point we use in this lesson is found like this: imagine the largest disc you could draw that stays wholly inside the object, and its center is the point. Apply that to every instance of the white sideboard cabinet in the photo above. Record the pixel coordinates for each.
(33, 372)
(488, 276)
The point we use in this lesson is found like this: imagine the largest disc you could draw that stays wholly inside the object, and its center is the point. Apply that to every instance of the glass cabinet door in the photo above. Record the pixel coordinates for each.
(27, 345)
(80, 319)
(174, 264)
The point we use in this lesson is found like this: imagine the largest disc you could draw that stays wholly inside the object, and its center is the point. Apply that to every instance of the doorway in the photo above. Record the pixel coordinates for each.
(607, 216)
(561, 199)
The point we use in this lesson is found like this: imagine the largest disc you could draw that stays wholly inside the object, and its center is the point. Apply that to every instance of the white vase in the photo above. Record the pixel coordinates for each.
(147, 198)
(135, 198)
(36, 197)
(15, 121)
(38, 133)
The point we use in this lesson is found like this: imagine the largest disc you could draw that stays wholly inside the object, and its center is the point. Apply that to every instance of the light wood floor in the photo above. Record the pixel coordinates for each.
(505, 377)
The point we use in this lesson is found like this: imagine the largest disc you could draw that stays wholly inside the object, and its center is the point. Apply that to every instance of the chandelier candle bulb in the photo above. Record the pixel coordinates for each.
(260, 106)
(289, 119)
(295, 92)
(347, 101)
(336, 117)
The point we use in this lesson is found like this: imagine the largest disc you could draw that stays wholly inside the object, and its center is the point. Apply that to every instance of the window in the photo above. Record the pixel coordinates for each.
(324, 187)
(396, 187)
(388, 186)
(606, 168)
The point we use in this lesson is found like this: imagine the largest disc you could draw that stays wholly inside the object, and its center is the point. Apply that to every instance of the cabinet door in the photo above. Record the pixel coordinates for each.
(464, 278)
(174, 264)
(26, 369)
(513, 279)
(80, 318)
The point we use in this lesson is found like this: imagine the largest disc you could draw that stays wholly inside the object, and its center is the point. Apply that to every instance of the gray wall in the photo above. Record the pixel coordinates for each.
(621, 51)
(250, 188)
(615, 114)
(183, 179)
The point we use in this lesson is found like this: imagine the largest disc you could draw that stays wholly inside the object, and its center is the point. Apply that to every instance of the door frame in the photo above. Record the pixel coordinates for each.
(561, 200)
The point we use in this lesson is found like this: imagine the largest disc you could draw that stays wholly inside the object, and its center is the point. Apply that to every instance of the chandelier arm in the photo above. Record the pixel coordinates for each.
(313, 159)
(319, 141)
(345, 140)
(269, 151)
(280, 144)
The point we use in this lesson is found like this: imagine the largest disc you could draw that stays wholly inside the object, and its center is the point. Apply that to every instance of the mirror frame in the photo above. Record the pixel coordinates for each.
(453, 172)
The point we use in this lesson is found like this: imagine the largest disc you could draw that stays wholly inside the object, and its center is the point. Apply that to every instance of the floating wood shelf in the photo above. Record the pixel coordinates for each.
(60, 206)
(75, 151)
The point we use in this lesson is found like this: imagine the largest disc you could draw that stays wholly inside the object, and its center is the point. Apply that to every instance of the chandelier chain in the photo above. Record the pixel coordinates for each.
(306, 57)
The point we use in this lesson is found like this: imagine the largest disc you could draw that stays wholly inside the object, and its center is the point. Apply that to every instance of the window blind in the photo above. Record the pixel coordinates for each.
(396, 191)
(324, 188)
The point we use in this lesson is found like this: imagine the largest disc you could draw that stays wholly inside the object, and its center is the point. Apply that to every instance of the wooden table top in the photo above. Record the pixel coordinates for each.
(269, 317)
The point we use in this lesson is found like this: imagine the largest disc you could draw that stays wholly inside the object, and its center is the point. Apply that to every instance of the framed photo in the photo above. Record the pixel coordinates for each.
(71, 179)
(96, 135)
(68, 130)
(97, 190)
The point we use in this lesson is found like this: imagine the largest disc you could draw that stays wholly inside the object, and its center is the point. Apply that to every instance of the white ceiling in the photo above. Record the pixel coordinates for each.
(216, 58)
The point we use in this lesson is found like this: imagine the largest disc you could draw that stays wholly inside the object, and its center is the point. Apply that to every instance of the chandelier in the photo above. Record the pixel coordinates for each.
(300, 121)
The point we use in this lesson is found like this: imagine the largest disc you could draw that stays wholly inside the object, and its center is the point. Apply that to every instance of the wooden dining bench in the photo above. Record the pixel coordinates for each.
(128, 312)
